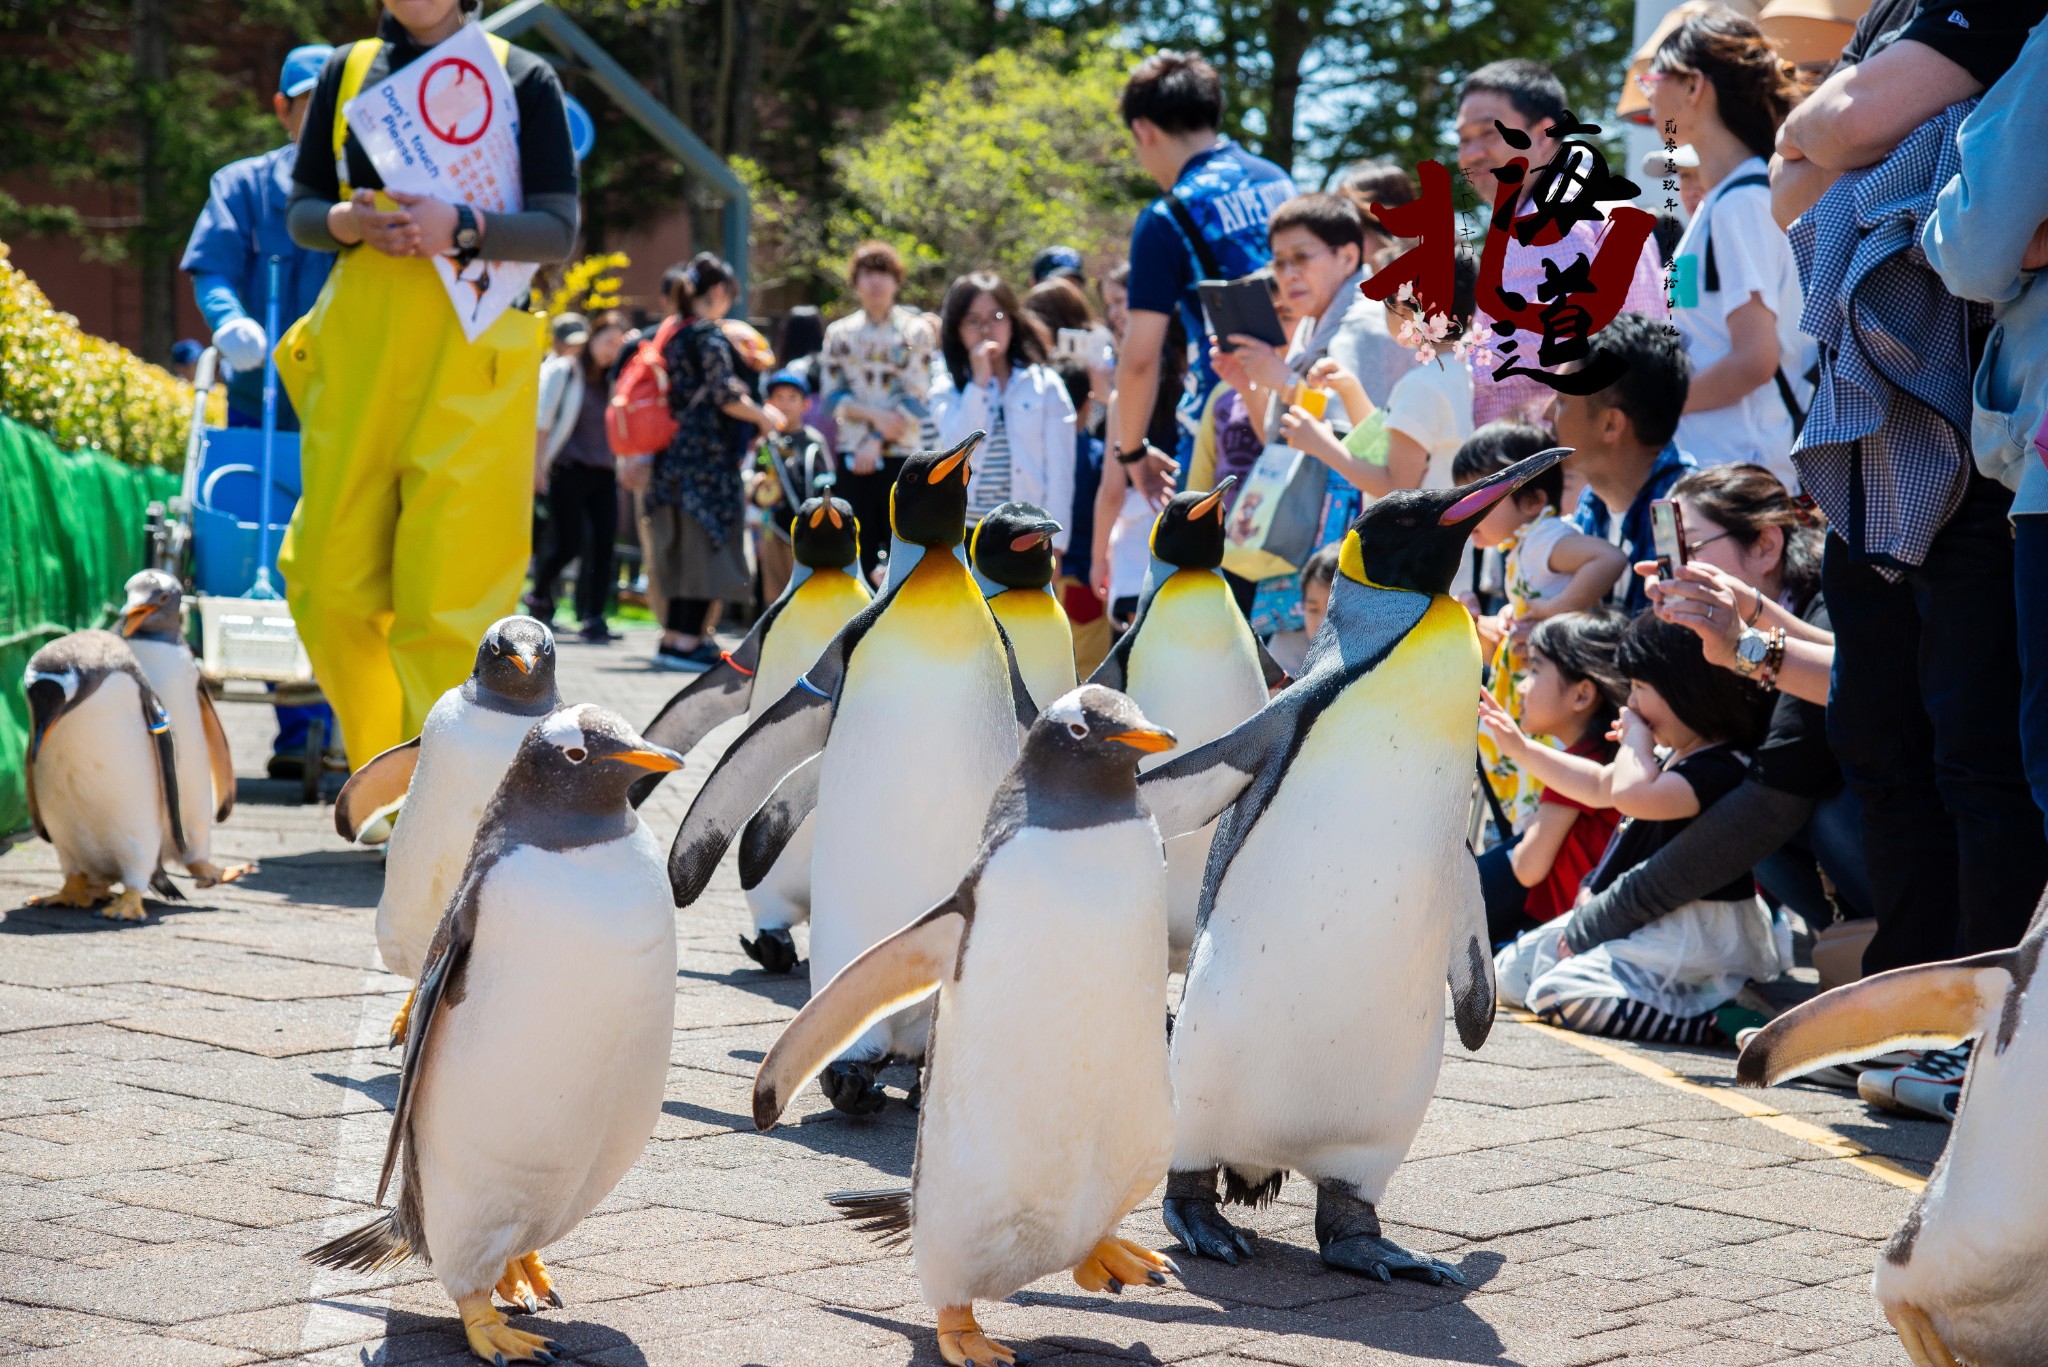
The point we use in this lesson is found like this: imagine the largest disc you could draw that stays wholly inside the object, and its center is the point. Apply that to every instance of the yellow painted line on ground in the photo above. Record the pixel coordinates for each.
(1740, 1102)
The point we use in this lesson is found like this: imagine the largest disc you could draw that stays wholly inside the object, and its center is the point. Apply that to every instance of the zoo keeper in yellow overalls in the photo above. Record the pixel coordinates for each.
(412, 532)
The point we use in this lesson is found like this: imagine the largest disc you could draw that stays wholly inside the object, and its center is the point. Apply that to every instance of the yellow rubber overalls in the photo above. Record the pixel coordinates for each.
(412, 532)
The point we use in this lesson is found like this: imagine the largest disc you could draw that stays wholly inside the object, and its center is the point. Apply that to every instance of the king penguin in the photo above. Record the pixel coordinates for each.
(1965, 1278)
(921, 701)
(1015, 562)
(152, 621)
(1025, 1162)
(1338, 896)
(1191, 661)
(446, 776)
(558, 950)
(824, 593)
(102, 773)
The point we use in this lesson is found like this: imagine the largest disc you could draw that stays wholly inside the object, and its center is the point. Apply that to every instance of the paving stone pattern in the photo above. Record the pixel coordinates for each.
(188, 1105)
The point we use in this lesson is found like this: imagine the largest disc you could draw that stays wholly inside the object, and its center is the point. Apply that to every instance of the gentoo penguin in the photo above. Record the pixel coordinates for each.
(558, 951)
(1026, 1161)
(1338, 894)
(102, 773)
(824, 593)
(446, 776)
(1191, 661)
(155, 631)
(1014, 562)
(921, 699)
(1965, 1278)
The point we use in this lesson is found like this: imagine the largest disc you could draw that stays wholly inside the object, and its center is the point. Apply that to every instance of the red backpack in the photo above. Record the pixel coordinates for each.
(637, 421)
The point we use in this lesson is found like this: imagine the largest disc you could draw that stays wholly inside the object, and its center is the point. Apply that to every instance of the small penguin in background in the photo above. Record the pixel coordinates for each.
(1015, 563)
(1025, 1162)
(1965, 1278)
(446, 776)
(1191, 661)
(824, 593)
(153, 625)
(558, 950)
(1339, 896)
(102, 774)
(922, 704)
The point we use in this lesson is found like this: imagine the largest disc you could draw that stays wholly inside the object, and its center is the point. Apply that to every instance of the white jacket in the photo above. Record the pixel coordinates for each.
(561, 399)
(1038, 417)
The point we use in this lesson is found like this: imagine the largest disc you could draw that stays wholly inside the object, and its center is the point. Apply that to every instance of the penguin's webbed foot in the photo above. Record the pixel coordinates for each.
(525, 1282)
(774, 949)
(78, 891)
(1202, 1230)
(962, 1343)
(850, 1085)
(1377, 1256)
(497, 1342)
(208, 875)
(1114, 1264)
(127, 907)
(400, 1022)
(1918, 1336)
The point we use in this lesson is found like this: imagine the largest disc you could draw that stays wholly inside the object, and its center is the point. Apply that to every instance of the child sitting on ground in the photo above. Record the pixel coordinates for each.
(1290, 648)
(1571, 692)
(1552, 568)
(1664, 981)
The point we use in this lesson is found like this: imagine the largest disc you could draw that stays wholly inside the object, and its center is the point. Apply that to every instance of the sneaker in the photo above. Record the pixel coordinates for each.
(596, 633)
(1930, 1087)
(668, 657)
(687, 661)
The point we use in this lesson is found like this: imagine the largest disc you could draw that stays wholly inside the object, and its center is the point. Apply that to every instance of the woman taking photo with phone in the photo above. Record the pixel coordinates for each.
(412, 534)
(996, 359)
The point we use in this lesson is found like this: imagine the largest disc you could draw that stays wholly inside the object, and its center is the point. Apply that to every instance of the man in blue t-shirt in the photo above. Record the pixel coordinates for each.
(1209, 225)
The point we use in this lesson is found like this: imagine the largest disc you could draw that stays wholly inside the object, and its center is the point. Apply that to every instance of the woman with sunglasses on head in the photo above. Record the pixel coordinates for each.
(1718, 84)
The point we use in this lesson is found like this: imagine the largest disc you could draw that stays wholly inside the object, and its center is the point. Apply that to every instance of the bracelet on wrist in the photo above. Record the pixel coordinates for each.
(1759, 610)
(1130, 457)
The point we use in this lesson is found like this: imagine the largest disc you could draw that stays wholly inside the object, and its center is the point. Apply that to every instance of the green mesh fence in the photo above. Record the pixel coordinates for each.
(72, 529)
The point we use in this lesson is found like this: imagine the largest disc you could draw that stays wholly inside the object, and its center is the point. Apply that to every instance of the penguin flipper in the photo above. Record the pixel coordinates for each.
(158, 720)
(780, 739)
(1926, 1006)
(1020, 694)
(1189, 791)
(1274, 673)
(446, 958)
(722, 691)
(218, 756)
(901, 970)
(1471, 974)
(375, 786)
(769, 832)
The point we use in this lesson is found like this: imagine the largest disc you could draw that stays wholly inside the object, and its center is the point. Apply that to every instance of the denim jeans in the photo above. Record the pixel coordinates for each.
(1831, 843)
(2030, 584)
(1924, 716)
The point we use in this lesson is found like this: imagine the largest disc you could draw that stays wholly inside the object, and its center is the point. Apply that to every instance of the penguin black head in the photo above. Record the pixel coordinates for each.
(1012, 546)
(154, 598)
(928, 505)
(515, 665)
(1188, 534)
(1093, 733)
(825, 534)
(64, 674)
(582, 760)
(1415, 539)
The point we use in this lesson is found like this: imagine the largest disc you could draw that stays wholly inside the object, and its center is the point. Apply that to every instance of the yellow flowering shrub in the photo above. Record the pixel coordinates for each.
(589, 286)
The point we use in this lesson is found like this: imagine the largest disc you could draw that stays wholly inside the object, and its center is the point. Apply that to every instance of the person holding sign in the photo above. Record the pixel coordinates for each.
(415, 384)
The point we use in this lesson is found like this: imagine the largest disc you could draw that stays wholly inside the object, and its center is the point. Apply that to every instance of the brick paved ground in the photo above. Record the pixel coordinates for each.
(188, 1105)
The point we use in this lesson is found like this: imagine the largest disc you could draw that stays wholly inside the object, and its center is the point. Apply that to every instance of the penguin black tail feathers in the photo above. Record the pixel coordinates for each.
(160, 883)
(1240, 1191)
(883, 1212)
(372, 1248)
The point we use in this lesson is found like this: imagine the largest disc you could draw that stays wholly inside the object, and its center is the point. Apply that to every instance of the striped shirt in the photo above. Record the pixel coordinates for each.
(989, 486)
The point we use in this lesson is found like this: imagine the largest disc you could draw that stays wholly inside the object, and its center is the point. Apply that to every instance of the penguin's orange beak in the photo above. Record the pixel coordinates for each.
(1150, 741)
(1214, 502)
(520, 660)
(956, 461)
(660, 761)
(134, 615)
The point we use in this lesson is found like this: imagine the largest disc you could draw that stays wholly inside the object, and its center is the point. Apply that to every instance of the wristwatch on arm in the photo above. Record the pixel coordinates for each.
(1759, 655)
(469, 235)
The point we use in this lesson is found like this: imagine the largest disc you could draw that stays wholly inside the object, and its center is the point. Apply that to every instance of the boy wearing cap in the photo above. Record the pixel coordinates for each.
(787, 470)
(239, 230)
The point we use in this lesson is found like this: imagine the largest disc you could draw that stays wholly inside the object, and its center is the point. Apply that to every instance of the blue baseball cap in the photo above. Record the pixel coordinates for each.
(1056, 261)
(302, 69)
(788, 377)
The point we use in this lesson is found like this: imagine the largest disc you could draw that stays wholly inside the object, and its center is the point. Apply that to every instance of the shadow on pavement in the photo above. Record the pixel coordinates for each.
(46, 920)
(434, 1340)
(340, 878)
(383, 1089)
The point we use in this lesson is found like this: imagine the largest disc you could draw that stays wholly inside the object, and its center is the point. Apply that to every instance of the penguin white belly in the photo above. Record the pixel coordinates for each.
(821, 605)
(1047, 1112)
(1044, 642)
(170, 671)
(572, 974)
(1978, 1265)
(1194, 670)
(1311, 1030)
(98, 791)
(464, 752)
(926, 729)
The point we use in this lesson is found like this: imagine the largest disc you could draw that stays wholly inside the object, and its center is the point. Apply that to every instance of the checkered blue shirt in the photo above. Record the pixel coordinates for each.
(1886, 446)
